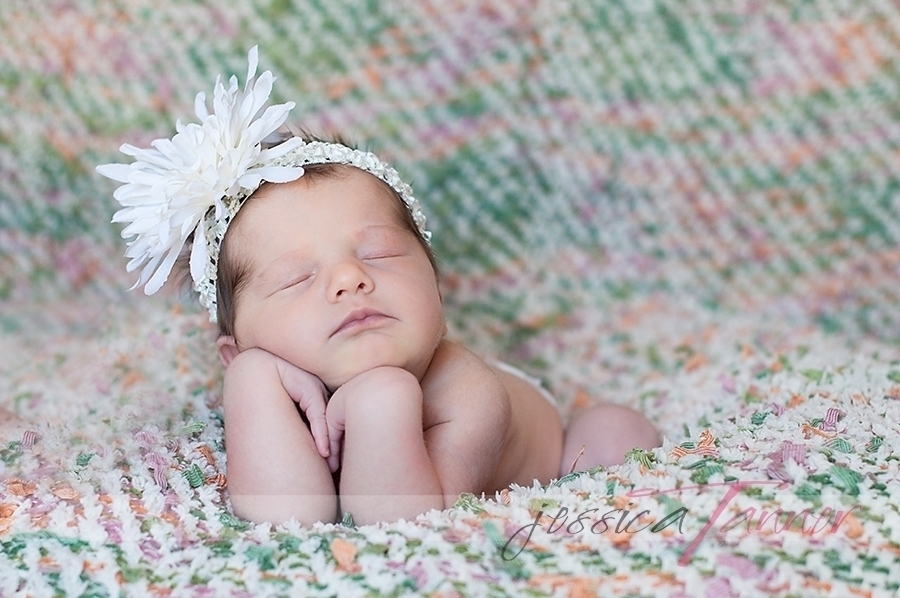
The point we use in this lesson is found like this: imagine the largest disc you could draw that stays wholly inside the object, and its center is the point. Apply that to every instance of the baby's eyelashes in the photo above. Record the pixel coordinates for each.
(297, 280)
(289, 283)
(380, 255)
(381, 251)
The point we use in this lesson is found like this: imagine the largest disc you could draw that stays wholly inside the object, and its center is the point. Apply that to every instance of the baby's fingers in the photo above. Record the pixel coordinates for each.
(319, 430)
(313, 406)
(335, 434)
(309, 393)
(334, 457)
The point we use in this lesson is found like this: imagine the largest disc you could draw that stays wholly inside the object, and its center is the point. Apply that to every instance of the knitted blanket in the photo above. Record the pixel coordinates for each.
(687, 206)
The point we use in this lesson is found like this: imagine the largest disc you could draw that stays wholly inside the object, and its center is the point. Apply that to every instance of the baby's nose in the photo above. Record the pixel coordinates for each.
(349, 277)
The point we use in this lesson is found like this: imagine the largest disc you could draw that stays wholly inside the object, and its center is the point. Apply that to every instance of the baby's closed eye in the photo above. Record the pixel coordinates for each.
(297, 280)
(384, 245)
(380, 254)
(289, 282)
(382, 250)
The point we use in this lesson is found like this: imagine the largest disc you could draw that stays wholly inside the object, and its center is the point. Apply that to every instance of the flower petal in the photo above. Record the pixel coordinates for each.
(279, 174)
(279, 150)
(200, 106)
(162, 272)
(116, 172)
(252, 63)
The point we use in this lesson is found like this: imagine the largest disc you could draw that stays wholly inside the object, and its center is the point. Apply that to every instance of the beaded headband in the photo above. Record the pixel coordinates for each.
(197, 181)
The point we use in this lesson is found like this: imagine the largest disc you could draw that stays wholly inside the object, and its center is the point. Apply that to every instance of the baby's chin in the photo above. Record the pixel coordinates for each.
(373, 350)
(335, 379)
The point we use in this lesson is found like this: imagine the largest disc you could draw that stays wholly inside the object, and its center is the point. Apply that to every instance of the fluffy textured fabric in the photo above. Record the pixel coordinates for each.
(689, 207)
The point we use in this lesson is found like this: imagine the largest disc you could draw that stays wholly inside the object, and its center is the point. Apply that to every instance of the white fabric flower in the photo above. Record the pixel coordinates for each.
(170, 186)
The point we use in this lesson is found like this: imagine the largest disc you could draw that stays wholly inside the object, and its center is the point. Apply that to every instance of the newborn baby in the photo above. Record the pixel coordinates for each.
(338, 297)
(342, 393)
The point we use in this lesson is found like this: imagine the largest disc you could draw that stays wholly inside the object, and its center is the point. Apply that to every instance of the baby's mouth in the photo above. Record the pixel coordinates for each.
(360, 318)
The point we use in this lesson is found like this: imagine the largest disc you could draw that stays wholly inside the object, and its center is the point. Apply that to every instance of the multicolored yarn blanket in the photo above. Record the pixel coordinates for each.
(687, 206)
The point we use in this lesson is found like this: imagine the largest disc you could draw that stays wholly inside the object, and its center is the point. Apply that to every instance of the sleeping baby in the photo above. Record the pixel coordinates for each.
(342, 393)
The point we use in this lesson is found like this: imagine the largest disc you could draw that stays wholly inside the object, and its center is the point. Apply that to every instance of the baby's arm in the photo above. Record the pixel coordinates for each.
(275, 471)
(392, 468)
(467, 444)
(386, 473)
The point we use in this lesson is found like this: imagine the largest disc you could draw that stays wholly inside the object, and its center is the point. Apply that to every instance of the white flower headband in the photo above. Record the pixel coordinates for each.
(198, 180)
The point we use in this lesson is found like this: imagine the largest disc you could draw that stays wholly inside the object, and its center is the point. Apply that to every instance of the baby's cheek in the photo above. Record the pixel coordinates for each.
(440, 326)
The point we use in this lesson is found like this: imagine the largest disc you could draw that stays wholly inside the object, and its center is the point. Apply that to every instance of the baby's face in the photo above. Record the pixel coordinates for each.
(337, 285)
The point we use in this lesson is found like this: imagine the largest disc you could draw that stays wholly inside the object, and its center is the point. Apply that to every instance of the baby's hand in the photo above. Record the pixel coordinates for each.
(309, 392)
(303, 388)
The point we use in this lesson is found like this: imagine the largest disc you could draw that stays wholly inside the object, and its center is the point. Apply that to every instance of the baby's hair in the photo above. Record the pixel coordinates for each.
(233, 272)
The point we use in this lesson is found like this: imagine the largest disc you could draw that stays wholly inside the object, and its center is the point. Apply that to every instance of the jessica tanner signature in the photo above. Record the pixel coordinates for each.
(628, 522)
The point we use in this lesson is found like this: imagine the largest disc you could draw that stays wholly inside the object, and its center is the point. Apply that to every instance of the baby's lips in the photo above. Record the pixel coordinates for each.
(355, 315)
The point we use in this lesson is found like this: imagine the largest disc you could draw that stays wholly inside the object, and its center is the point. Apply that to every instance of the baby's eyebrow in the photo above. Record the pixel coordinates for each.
(395, 228)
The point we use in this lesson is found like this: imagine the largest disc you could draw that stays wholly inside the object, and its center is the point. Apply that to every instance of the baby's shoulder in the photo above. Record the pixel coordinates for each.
(454, 364)
(458, 377)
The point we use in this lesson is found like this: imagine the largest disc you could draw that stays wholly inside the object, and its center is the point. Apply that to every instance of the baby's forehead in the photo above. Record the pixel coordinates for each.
(375, 203)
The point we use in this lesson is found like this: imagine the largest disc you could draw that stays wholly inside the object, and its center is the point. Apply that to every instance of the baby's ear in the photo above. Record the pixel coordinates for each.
(227, 349)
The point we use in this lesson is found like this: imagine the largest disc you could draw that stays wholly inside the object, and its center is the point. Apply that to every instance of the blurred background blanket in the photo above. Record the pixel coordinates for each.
(688, 206)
